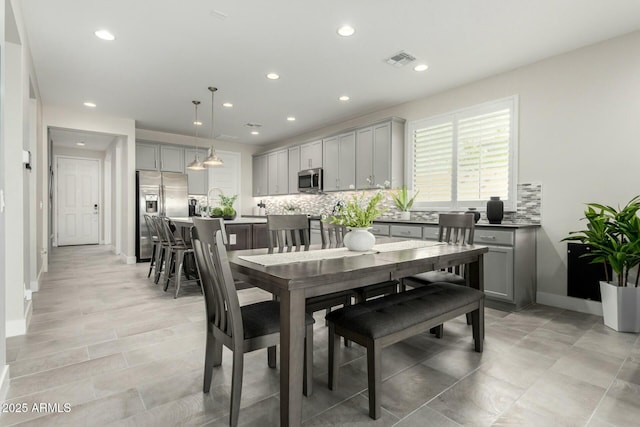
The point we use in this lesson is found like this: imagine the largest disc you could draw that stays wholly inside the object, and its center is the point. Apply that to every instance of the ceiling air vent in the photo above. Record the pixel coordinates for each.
(253, 125)
(227, 137)
(400, 59)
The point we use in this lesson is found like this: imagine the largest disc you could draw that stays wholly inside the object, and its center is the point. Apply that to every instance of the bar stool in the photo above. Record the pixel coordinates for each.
(177, 254)
(155, 241)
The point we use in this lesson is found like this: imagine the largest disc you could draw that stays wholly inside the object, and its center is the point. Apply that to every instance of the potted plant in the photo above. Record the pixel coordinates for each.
(403, 202)
(358, 215)
(614, 237)
(226, 210)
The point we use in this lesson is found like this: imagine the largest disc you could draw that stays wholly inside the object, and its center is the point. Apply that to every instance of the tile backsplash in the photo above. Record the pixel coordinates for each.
(528, 210)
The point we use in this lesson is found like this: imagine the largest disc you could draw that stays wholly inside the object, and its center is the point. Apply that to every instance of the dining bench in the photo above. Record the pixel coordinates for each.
(381, 322)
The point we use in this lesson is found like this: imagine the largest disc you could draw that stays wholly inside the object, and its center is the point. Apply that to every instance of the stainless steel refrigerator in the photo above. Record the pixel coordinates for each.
(158, 194)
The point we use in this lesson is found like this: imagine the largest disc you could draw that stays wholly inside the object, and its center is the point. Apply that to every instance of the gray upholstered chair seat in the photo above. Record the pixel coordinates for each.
(384, 316)
(263, 318)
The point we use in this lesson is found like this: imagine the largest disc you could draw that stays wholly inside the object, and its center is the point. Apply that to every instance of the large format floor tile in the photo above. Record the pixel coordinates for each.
(119, 351)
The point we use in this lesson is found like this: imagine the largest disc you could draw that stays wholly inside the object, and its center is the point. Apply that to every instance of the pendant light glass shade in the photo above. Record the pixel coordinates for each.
(213, 159)
(196, 164)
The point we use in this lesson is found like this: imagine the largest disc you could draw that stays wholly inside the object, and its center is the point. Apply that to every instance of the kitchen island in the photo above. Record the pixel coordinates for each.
(242, 232)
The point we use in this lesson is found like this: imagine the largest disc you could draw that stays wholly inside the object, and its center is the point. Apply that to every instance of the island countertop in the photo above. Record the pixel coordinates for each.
(237, 220)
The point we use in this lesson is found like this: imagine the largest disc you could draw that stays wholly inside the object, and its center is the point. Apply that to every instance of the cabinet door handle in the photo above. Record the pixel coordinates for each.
(487, 237)
(406, 233)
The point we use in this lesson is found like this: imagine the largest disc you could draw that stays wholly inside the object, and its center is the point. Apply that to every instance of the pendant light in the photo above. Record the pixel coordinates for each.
(196, 165)
(213, 159)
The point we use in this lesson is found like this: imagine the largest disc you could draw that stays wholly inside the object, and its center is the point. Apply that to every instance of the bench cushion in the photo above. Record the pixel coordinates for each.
(387, 315)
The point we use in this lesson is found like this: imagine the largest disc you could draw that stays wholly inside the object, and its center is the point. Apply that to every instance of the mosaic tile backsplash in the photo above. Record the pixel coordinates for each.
(528, 211)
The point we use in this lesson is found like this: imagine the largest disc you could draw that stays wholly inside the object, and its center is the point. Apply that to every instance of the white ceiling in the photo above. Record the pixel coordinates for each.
(69, 138)
(168, 52)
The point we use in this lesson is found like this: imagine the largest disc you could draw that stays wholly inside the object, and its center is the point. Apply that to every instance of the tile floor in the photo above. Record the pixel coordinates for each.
(120, 351)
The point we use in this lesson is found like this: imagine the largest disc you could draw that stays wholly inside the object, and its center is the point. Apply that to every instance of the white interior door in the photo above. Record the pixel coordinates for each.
(78, 201)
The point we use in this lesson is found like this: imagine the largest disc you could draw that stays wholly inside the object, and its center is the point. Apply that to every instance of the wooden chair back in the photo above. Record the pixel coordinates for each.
(456, 229)
(221, 299)
(207, 229)
(287, 232)
(332, 235)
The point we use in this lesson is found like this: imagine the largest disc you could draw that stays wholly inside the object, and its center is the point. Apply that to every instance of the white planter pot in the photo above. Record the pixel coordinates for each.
(405, 215)
(359, 239)
(620, 307)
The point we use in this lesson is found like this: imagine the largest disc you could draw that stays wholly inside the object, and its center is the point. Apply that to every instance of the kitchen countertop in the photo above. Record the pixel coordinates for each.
(238, 220)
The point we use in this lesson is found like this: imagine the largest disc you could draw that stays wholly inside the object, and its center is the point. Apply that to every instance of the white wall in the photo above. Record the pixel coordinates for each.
(245, 150)
(125, 193)
(579, 136)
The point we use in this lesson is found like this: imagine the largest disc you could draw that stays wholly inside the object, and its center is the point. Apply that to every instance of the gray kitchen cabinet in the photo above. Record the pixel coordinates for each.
(198, 180)
(172, 158)
(408, 231)
(146, 156)
(339, 160)
(294, 168)
(278, 181)
(311, 155)
(380, 230)
(380, 149)
(260, 175)
(509, 266)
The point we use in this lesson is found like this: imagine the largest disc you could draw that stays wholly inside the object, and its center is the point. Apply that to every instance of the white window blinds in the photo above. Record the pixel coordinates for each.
(463, 158)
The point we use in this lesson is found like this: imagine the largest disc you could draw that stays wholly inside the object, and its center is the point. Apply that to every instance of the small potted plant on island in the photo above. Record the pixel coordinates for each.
(403, 202)
(614, 237)
(226, 210)
(358, 215)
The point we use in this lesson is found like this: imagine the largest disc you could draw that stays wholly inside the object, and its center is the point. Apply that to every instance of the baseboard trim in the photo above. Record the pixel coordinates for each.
(28, 312)
(4, 383)
(127, 259)
(34, 286)
(570, 303)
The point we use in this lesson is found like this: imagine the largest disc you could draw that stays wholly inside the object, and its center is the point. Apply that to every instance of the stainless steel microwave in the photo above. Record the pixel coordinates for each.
(310, 180)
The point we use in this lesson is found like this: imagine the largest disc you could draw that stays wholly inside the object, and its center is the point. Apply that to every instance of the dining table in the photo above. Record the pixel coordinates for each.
(296, 276)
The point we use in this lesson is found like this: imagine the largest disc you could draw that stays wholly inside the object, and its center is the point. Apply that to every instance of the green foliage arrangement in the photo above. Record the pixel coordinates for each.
(614, 237)
(401, 198)
(228, 201)
(226, 210)
(358, 212)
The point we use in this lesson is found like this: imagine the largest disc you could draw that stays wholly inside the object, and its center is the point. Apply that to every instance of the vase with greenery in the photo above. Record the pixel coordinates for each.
(226, 209)
(614, 237)
(358, 215)
(403, 202)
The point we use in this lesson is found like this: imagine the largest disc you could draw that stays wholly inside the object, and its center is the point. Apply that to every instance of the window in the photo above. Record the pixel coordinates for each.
(461, 159)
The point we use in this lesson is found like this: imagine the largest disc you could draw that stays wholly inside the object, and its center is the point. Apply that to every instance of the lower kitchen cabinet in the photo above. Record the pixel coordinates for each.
(509, 267)
(259, 238)
(239, 236)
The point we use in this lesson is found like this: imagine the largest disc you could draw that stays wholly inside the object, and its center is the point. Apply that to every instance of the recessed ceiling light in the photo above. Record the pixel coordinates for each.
(105, 35)
(197, 123)
(273, 76)
(90, 104)
(255, 132)
(81, 144)
(344, 98)
(227, 105)
(346, 30)
(291, 119)
(421, 67)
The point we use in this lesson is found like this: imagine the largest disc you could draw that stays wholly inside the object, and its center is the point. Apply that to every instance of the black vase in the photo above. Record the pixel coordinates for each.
(495, 210)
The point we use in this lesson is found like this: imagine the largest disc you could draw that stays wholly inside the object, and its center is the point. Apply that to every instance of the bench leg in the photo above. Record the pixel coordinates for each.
(271, 356)
(307, 384)
(374, 372)
(477, 321)
(438, 331)
(334, 344)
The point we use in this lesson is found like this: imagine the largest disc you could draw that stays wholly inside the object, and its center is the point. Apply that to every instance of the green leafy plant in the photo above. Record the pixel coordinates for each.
(216, 212)
(228, 201)
(402, 200)
(358, 212)
(614, 237)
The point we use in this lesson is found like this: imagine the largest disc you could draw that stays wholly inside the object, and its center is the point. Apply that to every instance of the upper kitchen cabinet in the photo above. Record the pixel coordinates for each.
(278, 167)
(311, 155)
(380, 151)
(171, 158)
(198, 180)
(339, 160)
(146, 156)
(260, 175)
(294, 168)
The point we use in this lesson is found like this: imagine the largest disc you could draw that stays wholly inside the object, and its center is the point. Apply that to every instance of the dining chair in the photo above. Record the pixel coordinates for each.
(291, 233)
(155, 242)
(333, 237)
(177, 255)
(241, 329)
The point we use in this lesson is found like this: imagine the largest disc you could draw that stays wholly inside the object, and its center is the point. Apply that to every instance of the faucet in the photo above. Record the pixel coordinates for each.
(209, 196)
